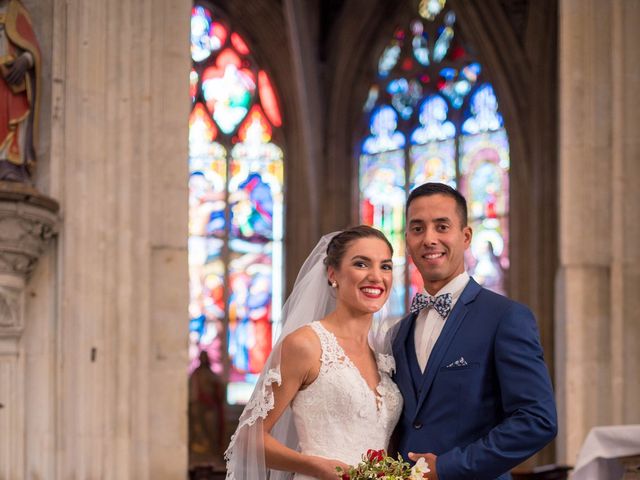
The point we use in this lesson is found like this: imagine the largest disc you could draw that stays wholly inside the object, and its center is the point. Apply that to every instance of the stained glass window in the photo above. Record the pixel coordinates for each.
(235, 205)
(431, 116)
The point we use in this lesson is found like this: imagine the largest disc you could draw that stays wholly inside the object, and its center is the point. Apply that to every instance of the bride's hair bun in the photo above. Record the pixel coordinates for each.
(340, 242)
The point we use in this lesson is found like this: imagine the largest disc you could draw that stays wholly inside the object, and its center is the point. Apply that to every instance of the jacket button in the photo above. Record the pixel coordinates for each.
(417, 425)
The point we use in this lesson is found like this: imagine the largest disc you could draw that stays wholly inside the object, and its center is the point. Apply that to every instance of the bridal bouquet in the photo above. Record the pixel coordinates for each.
(376, 464)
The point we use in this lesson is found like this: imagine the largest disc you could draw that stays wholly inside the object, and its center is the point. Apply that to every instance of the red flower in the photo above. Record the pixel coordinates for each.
(375, 455)
(345, 476)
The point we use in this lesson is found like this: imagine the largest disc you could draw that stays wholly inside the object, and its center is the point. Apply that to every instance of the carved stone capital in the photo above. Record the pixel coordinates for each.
(11, 317)
(28, 220)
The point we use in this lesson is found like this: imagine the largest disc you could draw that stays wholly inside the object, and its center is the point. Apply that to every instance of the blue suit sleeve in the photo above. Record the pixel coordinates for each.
(530, 420)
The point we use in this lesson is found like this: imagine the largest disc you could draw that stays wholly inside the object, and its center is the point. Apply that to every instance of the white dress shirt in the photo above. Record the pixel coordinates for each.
(429, 323)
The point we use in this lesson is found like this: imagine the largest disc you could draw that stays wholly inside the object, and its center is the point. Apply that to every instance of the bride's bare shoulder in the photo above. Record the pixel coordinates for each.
(302, 343)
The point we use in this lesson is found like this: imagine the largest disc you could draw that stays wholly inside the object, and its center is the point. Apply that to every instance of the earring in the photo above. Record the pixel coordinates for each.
(334, 284)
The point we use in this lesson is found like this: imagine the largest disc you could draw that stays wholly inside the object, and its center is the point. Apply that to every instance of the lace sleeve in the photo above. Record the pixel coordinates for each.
(260, 405)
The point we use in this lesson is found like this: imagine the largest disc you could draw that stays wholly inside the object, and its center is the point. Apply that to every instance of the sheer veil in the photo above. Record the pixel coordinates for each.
(311, 299)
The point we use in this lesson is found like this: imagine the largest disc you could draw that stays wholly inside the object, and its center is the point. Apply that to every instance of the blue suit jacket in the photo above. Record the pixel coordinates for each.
(483, 418)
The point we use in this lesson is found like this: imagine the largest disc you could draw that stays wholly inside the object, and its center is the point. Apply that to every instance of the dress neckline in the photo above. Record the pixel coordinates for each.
(375, 392)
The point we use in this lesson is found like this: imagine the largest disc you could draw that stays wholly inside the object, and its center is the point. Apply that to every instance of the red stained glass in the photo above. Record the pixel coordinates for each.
(235, 298)
(193, 84)
(268, 99)
(457, 53)
(255, 127)
(407, 64)
(218, 31)
(262, 347)
(228, 90)
(228, 57)
(239, 44)
(366, 212)
(201, 122)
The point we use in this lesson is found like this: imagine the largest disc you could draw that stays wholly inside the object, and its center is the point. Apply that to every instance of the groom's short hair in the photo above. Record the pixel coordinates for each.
(434, 188)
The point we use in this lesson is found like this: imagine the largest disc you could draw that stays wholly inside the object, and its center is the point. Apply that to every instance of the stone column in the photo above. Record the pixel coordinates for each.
(118, 164)
(27, 221)
(597, 305)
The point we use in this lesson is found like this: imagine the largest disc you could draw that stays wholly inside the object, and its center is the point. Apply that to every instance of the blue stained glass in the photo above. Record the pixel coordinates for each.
(388, 59)
(487, 259)
(484, 112)
(442, 44)
(484, 183)
(471, 72)
(433, 122)
(419, 43)
(462, 88)
(485, 166)
(249, 336)
(433, 162)
(207, 36)
(244, 246)
(197, 325)
(466, 149)
(456, 87)
(235, 207)
(404, 95)
(444, 39)
(448, 73)
(206, 196)
(206, 305)
(399, 85)
(384, 136)
(252, 210)
(382, 181)
(448, 88)
(200, 26)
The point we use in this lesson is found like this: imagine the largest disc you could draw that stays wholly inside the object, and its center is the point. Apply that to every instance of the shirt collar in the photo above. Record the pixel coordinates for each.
(455, 286)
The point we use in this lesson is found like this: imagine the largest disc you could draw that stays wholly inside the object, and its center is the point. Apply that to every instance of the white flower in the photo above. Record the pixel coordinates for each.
(421, 467)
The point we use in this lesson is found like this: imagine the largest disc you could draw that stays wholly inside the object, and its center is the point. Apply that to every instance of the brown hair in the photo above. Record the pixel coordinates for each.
(339, 244)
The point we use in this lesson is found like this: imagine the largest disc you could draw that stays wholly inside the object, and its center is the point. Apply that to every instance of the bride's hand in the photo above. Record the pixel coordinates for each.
(325, 468)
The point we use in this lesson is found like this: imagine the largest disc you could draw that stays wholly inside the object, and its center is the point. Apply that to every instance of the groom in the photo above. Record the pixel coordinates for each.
(477, 395)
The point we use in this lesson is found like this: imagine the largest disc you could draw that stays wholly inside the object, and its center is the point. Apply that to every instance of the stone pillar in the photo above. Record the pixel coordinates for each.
(27, 222)
(597, 305)
(118, 164)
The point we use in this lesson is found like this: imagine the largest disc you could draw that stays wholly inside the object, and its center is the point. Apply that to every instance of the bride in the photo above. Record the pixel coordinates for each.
(324, 397)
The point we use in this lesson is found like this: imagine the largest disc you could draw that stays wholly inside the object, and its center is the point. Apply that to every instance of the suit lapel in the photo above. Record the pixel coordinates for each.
(448, 333)
(403, 373)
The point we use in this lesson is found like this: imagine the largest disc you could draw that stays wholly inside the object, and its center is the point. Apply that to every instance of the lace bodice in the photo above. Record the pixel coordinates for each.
(338, 415)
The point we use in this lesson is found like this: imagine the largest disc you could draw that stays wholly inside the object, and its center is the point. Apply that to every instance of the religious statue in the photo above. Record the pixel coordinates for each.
(19, 91)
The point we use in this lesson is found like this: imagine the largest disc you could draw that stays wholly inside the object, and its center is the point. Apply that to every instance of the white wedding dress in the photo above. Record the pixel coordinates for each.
(339, 416)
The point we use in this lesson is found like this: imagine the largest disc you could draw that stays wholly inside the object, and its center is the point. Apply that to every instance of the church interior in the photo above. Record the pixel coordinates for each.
(175, 161)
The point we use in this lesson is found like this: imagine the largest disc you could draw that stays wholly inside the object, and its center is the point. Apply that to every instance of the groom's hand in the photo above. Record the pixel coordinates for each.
(431, 459)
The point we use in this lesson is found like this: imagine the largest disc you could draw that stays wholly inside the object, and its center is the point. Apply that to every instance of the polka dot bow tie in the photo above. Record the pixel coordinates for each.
(441, 303)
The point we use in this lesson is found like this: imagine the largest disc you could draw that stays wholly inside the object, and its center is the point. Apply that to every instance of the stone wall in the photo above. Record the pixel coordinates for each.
(104, 347)
(597, 301)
